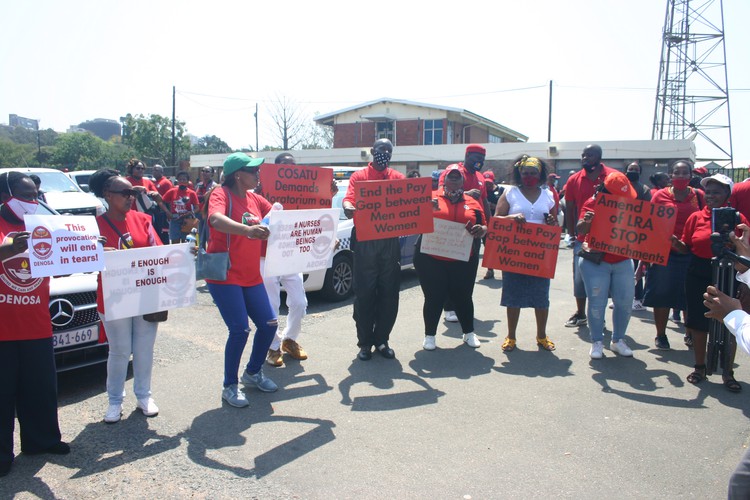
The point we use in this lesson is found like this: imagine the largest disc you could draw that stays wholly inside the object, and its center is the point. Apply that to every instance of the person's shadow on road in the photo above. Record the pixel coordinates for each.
(460, 362)
(535, 363)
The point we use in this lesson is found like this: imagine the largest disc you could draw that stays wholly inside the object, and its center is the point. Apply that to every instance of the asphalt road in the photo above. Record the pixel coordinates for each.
(452, 423)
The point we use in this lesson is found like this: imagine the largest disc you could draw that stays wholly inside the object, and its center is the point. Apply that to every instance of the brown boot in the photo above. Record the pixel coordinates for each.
(274, 357)
(292, 348)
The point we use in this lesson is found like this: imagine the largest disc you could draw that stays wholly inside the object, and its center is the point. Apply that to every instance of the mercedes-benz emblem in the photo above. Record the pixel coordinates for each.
(61, 312)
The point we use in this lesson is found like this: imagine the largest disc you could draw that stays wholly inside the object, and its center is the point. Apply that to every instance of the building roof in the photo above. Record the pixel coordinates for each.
(327, 119)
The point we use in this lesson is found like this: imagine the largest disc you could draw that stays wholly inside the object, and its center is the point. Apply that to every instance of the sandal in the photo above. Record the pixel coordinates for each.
(545, 343)
(698, 375)
(730, 383)
(509, 344)
(689, 341)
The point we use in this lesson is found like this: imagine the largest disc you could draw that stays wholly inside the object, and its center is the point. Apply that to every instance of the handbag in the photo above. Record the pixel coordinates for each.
(592, 256)
(188, 224)
(213, 266)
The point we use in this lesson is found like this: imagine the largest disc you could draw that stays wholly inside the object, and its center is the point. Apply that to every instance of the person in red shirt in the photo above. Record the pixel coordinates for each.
(740, 198)
(696, 239)
(235, 213)
(205, 185)
(377, 269)
(161, 221)
(148, 195)
(578, 190)
(440, 277)
(162, 183)
(613, 275)
(28, 389)
(183, 204)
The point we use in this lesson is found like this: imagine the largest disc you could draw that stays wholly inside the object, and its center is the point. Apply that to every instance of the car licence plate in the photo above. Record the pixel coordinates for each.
(75, 337)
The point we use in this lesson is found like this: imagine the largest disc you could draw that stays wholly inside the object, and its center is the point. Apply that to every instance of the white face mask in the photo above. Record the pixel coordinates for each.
(21, 207)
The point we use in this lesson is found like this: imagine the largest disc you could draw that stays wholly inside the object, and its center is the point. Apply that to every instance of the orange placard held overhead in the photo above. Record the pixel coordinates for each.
(385, 209)
(296, 186)
(634, 229)
(521, 248)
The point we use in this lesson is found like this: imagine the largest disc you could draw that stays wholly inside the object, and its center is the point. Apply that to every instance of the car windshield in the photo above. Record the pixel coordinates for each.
(82, 178)
(337, 200)
(56, 182)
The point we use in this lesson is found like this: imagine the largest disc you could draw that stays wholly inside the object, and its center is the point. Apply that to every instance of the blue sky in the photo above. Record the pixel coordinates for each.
(66, 62)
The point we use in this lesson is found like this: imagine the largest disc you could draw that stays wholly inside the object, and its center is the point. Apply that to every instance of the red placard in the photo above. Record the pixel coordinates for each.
(385, 209)
(522, 248)
(632, 228)
(296, 186)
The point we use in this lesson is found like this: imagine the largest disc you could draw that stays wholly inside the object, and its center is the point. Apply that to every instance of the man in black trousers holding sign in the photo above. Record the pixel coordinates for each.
(377, 265)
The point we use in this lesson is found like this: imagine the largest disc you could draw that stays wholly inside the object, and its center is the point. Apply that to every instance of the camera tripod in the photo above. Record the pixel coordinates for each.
(720, 340)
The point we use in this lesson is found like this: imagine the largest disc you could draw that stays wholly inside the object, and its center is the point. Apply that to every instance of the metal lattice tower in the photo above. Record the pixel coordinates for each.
(692, 98)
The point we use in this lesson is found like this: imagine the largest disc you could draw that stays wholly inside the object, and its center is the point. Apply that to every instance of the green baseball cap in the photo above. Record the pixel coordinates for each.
(236, 161)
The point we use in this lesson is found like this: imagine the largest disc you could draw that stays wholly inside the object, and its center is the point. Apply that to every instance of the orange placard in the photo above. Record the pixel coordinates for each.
(296, 186)
(522, 248)
(634, 229)
(385, 209)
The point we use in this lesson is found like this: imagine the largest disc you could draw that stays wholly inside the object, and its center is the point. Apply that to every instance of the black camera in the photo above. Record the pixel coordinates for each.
(724, 220)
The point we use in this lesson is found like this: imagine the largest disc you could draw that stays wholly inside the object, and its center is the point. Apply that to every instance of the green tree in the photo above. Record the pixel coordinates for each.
(17, 155)
(21, 135)
(151, 138)
(209, 144)
(77, 149)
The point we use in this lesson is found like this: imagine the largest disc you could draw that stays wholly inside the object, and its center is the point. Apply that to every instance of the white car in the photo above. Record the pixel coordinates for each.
(81, 177)
(61, 193)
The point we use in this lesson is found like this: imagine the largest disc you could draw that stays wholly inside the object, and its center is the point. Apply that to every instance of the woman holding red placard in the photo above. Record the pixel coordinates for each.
(605, 273)
(527, 202)
(442, 278)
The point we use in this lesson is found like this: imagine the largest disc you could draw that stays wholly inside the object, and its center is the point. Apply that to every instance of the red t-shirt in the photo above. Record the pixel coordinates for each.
(369, 174)
(740, 198)
(24, 301)
(137, 231)
(201, 191)
(697, 233)
(163, 185)
(692, 203)
(177, 204)
(464, 211)
(472, 180)
(579, 189)
(589, 207)
(146, 183)
(244, 253)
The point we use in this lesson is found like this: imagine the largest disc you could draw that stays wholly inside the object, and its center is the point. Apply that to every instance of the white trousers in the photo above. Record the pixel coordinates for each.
(128, 336)
(296, 302)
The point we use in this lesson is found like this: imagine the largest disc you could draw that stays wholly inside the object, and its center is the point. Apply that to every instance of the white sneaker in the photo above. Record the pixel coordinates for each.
(638, 305)
(471, 340)
(114, 413)
(621, 348)
(451, 316)
(234, 396)
(611, 305)
(597, 350)
(429, 343)
(148, 407)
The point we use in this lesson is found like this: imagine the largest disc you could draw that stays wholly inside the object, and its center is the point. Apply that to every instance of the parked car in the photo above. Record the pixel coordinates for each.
(61, 193)
(81, 177)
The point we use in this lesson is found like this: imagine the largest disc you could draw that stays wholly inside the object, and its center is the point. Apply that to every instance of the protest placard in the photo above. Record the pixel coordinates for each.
(63, 244)
(449, 239)
(635, 229)
(146, 280)
(521, 248)
(390, 208)
(301, 241)
(296, 186)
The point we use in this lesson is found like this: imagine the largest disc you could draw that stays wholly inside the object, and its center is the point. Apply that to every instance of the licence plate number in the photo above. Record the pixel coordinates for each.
(75, 337)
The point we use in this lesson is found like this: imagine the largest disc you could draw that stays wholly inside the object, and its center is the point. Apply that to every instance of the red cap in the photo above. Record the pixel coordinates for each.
(490, 175)
(553, 176)
(700, 170)
(476, 148)
(618, 184)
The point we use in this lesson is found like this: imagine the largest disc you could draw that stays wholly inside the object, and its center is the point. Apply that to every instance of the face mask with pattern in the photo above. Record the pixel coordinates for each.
(382, 158)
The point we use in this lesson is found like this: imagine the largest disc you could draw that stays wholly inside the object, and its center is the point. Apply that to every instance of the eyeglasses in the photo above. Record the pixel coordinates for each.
(127, 193)
(139, 167)
(207, 171)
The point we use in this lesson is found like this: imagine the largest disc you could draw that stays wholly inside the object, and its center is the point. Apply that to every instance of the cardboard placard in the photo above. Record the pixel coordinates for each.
(391, 208)
(635, 229)
(522, 248)
(63, 244)
(296, 186)
(450, 240)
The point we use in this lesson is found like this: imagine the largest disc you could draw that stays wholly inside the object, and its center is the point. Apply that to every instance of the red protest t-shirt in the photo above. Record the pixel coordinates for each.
(177, 203)
(136, 231)
(24, 301)
(244, 253)
(472, 180)
(579, 189)
(692, 203)
(608, 257)
(163, 185)
(740, 198)
(467, 210)
(146, 183)
(369, 174)
(697, 233)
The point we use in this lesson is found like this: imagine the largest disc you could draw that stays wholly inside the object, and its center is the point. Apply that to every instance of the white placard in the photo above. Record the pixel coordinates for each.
(147, 280)
(450, 240)
(63, 244)
(301, 241)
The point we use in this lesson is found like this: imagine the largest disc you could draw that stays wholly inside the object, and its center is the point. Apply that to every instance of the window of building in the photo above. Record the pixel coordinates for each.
(384, 130)
(433, 132)
(495, 138)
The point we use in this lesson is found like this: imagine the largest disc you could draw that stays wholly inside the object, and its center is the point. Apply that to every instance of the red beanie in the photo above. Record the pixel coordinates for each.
(476, 148)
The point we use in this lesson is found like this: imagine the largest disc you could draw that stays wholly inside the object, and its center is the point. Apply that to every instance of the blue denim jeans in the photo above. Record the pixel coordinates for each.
(237, 303)
(129, 335)
(579, 290)
(601, 281)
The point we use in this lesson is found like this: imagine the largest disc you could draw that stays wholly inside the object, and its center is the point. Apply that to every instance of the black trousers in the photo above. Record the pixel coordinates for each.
(446, 279)
(377, 282)
(29, 390)
(739, 483)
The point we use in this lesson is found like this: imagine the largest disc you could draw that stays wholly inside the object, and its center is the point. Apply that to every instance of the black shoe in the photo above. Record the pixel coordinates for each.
(386, 351)
(365, 353)
(5, 468)
(61, 448)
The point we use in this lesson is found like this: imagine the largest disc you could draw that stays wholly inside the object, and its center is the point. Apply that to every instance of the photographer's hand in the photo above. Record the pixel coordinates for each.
(742, 245)
(719, 304)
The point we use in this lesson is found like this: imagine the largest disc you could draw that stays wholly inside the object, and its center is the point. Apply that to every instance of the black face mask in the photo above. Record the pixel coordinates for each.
(633, 176)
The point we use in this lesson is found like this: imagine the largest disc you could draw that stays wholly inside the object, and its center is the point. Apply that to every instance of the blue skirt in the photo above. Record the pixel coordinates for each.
(522, 290)
(665, 285)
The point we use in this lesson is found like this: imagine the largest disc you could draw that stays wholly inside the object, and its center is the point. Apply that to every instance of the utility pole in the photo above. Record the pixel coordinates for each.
(256, 127)
(692, 97)
(174, 159)
(549, 115)
(38, 145)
